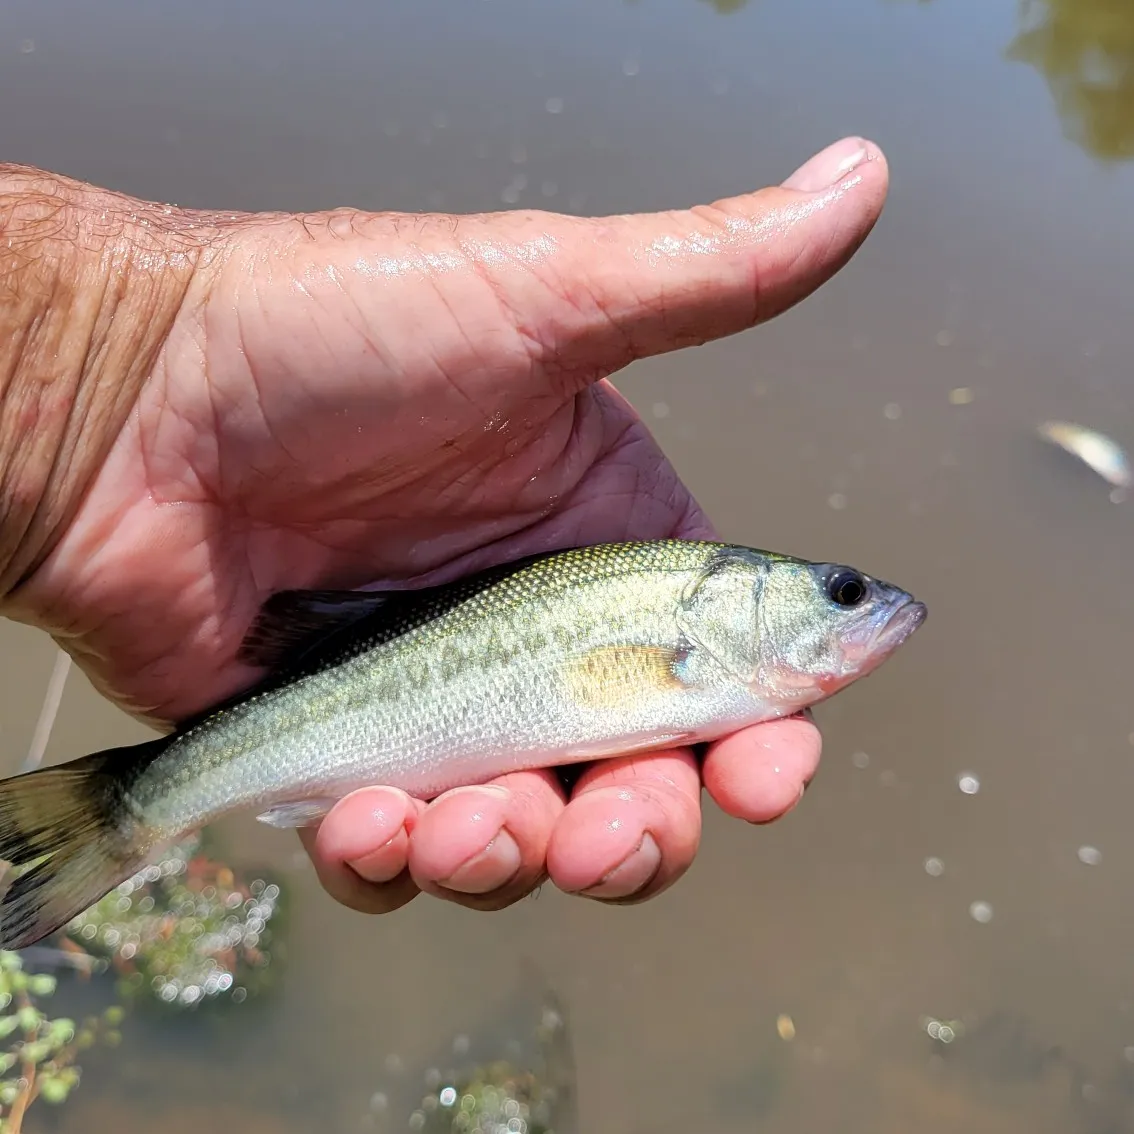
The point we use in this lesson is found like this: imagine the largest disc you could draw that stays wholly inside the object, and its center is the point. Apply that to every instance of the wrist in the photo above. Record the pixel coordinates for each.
(90, 283)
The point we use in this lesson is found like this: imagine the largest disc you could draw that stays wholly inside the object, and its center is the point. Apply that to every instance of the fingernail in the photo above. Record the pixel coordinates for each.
(636, 871)
(828, 166)
(493, 867)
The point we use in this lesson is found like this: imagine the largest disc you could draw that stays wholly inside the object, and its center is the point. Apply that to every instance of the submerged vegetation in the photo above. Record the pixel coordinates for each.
(183, 932)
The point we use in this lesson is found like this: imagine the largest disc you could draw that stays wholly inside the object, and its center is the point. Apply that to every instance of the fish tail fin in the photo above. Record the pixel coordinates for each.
(77, 833)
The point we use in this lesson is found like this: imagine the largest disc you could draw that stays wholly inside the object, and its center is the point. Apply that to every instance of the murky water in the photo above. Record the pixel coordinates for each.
(1001, 266)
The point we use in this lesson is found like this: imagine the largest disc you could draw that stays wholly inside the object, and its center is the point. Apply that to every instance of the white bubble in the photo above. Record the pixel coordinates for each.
(27, 46)
(1092, 856)
(447, 1097)
(934, 867)
(837, 501)
(892, 411)
(981, 911)
(630, 67)
(860, 759)
(378, 1101)
(661, 409)
(554, 106)
(968, 783)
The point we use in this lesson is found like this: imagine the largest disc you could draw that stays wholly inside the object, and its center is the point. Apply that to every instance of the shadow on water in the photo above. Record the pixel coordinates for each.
(939, 937)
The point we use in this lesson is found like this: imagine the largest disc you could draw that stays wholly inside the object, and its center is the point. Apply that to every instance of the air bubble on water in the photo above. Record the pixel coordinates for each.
(892, 411)
(719, 86)
(961, 396)
(27, 46)
(440, 120)
(1091, 856)
(417, 1120)
(447, 1097)
(549, 188)
(837, 501)
(519, 154)
(394, 1065)
(968, 783)
(1117, 495)
(1128, 1054)
(888, 778)
(461, 1045)
(981, 911)
(860, 759)
(661, 409)
(934, 867)
(944, 338)
(378, 1101)
(554, 105)
(630, 67)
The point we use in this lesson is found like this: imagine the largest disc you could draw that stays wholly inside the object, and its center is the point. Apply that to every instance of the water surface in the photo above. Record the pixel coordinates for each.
(1001, 266)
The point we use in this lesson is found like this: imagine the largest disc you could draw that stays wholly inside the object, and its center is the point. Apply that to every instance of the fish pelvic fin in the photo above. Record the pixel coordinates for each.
(76, 834)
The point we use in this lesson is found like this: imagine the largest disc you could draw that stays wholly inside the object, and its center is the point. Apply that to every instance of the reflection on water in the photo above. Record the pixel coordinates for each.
(965, 857)
(1085, 50)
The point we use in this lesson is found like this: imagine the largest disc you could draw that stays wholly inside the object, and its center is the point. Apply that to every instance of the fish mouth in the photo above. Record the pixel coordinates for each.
(902, 623)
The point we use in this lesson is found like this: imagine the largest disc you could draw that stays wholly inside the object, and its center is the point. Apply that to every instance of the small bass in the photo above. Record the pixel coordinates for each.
(559, 658)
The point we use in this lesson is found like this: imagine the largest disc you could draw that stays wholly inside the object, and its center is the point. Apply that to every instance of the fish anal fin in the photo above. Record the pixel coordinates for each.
(613, 677)
(301, 813)
(292, 622)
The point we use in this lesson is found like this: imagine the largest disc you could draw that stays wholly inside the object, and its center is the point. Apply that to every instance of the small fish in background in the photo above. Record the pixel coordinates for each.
(559, 658)
(1097, 451)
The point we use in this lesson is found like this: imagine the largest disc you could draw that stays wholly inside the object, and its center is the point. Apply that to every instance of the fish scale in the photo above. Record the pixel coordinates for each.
(558, 658)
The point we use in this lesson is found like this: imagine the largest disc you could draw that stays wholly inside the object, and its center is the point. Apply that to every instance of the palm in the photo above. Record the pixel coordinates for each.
(265, 456)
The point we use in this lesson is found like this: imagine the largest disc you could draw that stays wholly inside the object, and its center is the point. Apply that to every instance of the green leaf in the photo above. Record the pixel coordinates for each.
(8, 1024)
(35, 1052)
(114, 1015)
(8, 1093)
(7, 1062)
(112, 1039)
(54, 1090)
(29, 1018)
(42, 984)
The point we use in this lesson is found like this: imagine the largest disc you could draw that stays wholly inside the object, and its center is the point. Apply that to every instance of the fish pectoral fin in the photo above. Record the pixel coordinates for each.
(612, 677)
(302, 813)
(291, 622)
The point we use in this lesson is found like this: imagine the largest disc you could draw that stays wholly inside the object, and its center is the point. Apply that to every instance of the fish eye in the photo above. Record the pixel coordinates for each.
(847, 587)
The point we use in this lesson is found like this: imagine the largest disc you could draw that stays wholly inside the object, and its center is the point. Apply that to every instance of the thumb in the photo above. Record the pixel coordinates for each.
(645, 284)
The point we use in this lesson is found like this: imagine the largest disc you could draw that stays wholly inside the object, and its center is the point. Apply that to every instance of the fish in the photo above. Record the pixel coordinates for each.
(558, 658)
(1098, 452)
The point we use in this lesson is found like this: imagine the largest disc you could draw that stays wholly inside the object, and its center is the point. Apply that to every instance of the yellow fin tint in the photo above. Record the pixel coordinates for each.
(613, 677)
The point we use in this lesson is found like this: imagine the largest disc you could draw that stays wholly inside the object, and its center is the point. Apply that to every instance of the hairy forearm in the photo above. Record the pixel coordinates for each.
(90, 282)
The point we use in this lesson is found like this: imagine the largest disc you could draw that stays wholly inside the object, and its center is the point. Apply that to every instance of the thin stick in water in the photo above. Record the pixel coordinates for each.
(50, 710)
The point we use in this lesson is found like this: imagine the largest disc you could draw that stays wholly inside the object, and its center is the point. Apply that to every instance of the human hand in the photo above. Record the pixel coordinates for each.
(342, 398)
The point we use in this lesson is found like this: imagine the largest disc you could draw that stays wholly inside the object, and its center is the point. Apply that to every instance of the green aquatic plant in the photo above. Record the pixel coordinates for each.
(186, 930)
(39, 1061)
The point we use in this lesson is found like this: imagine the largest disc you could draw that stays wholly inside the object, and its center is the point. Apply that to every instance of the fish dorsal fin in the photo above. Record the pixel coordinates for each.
(291, 623)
